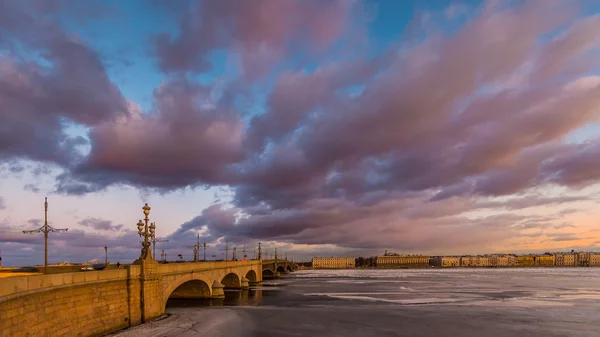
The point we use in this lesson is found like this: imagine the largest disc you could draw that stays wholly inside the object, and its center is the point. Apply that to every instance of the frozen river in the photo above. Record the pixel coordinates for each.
(426, 302)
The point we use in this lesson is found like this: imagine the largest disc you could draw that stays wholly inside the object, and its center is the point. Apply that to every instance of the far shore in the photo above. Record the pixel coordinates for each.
(454, 267)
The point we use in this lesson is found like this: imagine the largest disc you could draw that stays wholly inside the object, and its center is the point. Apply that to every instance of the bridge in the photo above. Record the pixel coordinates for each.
(272, 269)
(94, 303)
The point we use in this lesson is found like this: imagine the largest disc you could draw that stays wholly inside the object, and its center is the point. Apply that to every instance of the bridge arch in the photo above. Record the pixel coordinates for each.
(191, 289)
(280, 269)
(231, 280)
(289, 268)
(251, 276)
(187, 286)
(267, 272)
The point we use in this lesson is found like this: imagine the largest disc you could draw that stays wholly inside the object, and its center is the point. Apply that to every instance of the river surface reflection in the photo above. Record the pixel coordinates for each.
(251, 297)
(538, 302)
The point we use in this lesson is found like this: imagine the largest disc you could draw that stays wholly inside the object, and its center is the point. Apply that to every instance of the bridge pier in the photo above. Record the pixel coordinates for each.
(245, 283)
(217, 290)
(150, 279)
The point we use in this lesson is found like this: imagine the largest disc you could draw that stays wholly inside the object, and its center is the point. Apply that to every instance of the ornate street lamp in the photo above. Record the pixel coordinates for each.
(46, 229)
(148, 233)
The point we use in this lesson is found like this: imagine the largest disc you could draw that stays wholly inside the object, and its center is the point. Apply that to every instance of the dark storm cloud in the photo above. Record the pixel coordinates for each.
(560, 237)
(31, 187)
(260, 32)
(575, 168)
(220, 222)
(37, 101)
(403, 132)
(428, 132)
(344, 224)
(35, 223)
(16, 235)
(564, 225)
(189, 144)
(100, 224)
(75, 246)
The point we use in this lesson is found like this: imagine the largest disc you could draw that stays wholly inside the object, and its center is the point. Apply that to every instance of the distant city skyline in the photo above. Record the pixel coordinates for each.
(320, 128)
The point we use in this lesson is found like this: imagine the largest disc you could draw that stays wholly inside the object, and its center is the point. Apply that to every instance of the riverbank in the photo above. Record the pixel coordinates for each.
(450, 267)
(206, 322)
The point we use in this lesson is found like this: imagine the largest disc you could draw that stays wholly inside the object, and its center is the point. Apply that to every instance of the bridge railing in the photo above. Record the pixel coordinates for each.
(189, 266)
(32, 283)
(17, 285)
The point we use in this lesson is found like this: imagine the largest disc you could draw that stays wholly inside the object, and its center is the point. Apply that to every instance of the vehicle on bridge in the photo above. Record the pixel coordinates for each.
(97, 266)
(27, 269)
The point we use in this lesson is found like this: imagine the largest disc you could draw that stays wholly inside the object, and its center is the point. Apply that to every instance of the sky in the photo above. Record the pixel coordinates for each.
(318, 128)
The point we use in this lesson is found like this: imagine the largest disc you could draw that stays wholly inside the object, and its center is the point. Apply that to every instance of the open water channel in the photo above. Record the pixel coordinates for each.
(516, 302)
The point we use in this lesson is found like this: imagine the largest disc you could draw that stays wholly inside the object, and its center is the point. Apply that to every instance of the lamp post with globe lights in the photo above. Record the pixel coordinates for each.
(146, 231)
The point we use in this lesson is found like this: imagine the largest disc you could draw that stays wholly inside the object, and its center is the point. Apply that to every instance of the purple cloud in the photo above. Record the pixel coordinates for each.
(391, 148)
(100, 224)
(260, 32)
(38, 100)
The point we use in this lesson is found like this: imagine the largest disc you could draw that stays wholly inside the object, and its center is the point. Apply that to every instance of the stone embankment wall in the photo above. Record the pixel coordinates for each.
(71, 304)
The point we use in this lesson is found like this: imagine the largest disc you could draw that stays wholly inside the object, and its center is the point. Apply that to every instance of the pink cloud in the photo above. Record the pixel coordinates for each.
(179, 143)
(481, 112)
(260, 31)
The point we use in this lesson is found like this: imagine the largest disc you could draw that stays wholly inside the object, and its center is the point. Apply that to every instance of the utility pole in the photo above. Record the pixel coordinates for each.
(286, 256)
(254, 256)
(204, 245)
(259, 252)
(226, 249)
(275, 254)
(197, 249)
(233, 258)
(163, 256)
(46, 229)
(154, 241)
(106, 256)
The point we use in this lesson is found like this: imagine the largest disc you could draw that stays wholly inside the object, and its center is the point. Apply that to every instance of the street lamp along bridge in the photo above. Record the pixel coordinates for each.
(46, 229)
(148, 233)
(147, 230)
